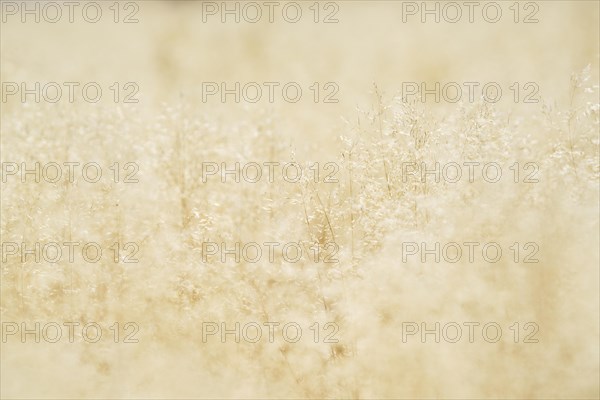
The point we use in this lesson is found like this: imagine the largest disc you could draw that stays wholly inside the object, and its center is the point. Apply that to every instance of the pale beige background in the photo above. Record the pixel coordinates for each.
(369, 293)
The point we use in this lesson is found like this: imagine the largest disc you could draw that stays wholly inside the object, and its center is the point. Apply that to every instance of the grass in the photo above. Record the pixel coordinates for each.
(369, 214)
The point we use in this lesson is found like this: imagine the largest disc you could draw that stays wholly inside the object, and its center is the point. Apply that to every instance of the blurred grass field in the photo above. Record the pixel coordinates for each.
(369, 133)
